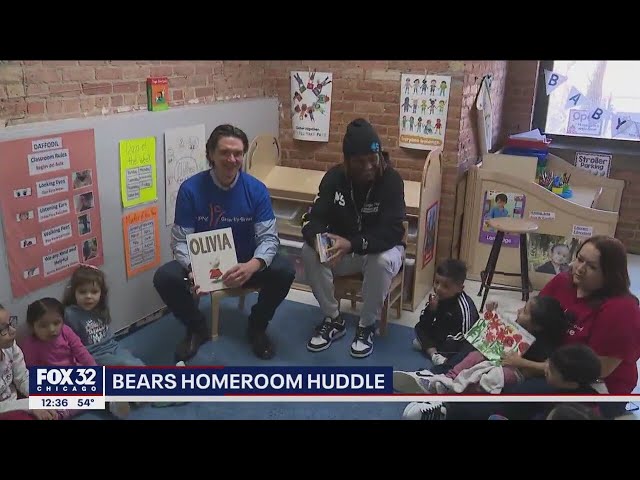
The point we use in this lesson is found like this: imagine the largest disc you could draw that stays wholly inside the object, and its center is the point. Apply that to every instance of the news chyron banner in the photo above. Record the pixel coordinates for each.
(90, 387)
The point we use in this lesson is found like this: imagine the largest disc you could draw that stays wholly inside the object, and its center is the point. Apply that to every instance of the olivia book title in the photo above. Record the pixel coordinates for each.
(212, 253)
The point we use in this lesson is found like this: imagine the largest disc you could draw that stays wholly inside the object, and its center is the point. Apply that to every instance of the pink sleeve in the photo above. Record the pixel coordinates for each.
(616, 330)
(80, 352)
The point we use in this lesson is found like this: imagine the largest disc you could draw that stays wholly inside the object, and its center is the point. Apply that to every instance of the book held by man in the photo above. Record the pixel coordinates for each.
(324, 243)
(212, 253)
(494, 337)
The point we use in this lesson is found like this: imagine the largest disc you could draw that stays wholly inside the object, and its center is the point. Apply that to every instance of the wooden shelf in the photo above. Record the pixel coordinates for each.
(286, 228)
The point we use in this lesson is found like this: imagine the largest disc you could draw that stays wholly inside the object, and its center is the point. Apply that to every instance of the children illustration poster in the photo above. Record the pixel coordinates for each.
(50, 207)
(138, 171)
(141, 240)
(311, 94)
(551, 254)
(424, 104)
(430, 234)
(185, 155)
(497, 205)
(212, 253)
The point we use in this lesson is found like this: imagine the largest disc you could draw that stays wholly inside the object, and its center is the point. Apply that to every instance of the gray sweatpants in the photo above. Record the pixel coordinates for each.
(378, 269)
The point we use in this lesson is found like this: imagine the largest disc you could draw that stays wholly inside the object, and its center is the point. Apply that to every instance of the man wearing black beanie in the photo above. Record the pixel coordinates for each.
(360, 209)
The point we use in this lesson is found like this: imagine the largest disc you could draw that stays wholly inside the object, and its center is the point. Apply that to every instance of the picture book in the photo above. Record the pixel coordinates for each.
(157, 93)
(324, 243)
(212, 253)
(494, 336)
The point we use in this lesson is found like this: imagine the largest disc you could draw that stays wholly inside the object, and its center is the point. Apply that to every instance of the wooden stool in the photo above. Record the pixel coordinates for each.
(502, 226)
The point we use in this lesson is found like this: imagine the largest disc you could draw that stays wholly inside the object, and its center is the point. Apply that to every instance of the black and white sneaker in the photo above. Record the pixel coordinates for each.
(425, 411)
(362, 345)
(328, 331)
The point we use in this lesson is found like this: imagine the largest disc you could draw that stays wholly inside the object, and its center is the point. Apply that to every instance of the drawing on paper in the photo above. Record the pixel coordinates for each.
(185, 155)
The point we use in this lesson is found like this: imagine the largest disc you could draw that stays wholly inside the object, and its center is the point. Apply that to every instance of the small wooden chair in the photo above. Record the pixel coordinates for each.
(215, 304)
(349, 287)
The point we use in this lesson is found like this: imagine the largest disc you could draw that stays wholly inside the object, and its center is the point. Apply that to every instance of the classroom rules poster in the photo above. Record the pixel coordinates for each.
(50, 207)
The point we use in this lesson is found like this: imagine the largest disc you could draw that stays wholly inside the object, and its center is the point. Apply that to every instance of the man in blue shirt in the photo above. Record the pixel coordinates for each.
(222, 197)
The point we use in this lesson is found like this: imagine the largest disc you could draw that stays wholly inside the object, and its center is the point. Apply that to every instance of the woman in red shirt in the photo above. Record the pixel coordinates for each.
(606, 317)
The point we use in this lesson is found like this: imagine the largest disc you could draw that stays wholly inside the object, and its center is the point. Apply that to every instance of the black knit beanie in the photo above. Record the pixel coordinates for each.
(360, 139)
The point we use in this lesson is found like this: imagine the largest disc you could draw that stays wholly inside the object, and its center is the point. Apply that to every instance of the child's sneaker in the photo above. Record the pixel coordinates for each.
(120, 410)
(412, 382)
(425, 411)
(438, 359)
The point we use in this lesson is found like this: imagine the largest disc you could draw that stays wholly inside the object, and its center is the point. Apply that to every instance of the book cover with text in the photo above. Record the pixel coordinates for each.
(212, 253)
(157, 93)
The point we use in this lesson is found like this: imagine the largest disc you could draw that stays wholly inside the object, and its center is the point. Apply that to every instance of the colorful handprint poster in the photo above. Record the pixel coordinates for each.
(424, 104)
(311, 105)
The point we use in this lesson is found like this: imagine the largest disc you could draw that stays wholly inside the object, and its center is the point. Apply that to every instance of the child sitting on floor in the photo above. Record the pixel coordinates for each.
(87, 313)
(51, 343)
(14, 377)
(541, 316)
(448, 315)
(573, 368)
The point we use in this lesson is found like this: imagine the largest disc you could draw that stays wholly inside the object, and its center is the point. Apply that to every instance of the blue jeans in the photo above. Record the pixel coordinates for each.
(118, 356)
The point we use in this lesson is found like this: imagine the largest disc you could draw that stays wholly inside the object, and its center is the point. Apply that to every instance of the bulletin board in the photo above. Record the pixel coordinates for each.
(135, 298)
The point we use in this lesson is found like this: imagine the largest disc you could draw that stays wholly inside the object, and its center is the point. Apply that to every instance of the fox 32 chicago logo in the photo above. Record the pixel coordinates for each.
(66, 380)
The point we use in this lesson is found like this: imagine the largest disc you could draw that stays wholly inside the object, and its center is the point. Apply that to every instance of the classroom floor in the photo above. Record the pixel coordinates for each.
(509, 303)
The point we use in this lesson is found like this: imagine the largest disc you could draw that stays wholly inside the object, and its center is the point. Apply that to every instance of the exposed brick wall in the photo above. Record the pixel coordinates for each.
(32, 91)
(469, 133)
(628, 230)
(369, 89)
(519, 97)
(454, 182)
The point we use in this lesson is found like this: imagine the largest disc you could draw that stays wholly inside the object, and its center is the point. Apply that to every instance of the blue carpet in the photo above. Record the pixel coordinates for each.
(290, 330)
